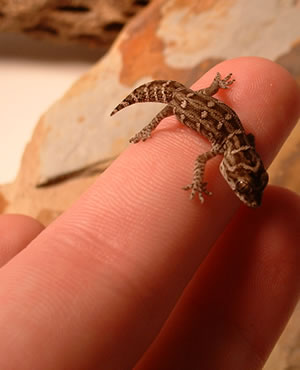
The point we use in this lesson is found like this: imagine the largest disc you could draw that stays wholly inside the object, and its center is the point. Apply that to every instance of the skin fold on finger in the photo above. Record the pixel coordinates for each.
(236, 306)
(104, 277)
(16, 231)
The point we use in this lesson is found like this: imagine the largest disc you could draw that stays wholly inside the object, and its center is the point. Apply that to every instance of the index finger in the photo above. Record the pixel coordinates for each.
(113, 266)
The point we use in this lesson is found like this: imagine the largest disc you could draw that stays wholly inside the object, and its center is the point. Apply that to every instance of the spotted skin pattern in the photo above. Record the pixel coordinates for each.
(241, 165)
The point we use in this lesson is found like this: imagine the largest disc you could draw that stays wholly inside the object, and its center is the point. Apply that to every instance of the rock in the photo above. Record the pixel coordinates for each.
(286, 354)
(96, 22)
(158, 44)
(77, 133)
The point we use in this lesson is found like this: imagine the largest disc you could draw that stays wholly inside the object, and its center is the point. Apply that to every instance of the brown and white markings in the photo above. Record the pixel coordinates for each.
(241, 166)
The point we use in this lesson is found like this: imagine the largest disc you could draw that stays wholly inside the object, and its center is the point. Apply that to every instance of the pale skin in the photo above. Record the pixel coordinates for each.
(94, 289)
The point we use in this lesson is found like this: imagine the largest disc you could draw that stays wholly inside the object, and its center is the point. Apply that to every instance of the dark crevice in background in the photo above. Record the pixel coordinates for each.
(114, 26)
(73, 9)
(141, 2)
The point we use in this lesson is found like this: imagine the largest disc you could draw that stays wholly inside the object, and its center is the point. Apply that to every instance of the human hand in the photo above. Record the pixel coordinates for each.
(135, 275)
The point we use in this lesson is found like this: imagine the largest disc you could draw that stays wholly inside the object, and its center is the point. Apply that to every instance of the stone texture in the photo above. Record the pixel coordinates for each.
(171, 39)
(78, 129)
(286, 354)
(96, 22)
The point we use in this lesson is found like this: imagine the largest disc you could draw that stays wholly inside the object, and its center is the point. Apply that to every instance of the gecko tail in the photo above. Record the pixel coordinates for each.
(158, 91)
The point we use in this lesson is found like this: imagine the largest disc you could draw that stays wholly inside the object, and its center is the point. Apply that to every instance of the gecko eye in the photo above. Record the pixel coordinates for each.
(242, 186)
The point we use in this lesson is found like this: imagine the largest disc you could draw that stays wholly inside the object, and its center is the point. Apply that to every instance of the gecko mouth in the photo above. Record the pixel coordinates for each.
(252, 199)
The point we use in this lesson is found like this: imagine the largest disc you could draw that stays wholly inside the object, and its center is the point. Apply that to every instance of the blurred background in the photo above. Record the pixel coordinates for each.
(33, 74)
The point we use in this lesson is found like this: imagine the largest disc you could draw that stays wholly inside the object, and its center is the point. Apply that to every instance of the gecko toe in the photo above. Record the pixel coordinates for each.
(197, 188)
(226, 81)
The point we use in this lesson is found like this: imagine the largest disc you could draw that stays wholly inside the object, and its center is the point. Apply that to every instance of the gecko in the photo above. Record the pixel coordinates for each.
(241, 166)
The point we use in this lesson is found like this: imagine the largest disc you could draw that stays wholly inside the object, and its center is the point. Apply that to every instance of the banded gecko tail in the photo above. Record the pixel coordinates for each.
(159, 91)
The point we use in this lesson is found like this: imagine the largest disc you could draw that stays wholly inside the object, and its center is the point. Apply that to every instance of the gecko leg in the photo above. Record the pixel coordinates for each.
(198, 186)
(217, 84)
(145, 133)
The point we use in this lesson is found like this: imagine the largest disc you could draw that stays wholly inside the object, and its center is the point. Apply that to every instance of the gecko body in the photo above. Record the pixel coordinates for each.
(241, 165)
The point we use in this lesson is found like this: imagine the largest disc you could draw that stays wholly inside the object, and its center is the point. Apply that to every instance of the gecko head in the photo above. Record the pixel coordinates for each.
(246, 180)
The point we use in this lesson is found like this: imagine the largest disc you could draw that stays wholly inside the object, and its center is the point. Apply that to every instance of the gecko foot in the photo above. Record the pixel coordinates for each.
(226, 81)
(142, 135)
(197, 187)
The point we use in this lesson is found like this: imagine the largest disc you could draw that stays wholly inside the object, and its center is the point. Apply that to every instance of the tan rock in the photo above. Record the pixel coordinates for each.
(286, 354)
(78, 130)
(96, 22)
